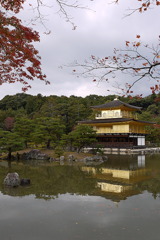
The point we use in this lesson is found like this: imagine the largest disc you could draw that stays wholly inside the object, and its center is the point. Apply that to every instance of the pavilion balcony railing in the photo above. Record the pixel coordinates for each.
(134, 131)
(121, 115)
(114, 144)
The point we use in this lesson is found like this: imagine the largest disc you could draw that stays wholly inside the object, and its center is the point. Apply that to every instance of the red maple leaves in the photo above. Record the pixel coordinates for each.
(155, 88)
(19, 60)
(12, 5)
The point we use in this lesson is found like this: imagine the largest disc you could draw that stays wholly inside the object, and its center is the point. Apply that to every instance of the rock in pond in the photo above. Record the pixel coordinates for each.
(25, 181)
(12, 180)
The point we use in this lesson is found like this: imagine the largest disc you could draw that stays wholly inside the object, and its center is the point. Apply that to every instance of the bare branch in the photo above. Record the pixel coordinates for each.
(142, 6)
(138, 60)
(64, 5)
(63, 10)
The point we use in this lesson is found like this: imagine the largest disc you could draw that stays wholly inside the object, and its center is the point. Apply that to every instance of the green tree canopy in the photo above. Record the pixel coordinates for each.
(82, 136)
(47, 130)
(24, 127)
(10, 142)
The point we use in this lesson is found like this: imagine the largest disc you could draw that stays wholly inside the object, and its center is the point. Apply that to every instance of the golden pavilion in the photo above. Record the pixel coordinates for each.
(117, 126)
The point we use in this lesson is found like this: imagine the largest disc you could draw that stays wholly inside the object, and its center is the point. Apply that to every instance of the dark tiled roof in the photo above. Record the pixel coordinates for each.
(115, 103)
(113, 120)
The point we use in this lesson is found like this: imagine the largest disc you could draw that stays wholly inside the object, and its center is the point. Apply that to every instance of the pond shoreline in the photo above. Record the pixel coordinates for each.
(125, 151)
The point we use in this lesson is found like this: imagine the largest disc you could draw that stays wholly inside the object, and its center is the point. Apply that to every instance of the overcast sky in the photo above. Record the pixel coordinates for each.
(98, 31)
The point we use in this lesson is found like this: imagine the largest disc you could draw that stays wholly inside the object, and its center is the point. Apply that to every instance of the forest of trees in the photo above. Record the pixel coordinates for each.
(52, 121)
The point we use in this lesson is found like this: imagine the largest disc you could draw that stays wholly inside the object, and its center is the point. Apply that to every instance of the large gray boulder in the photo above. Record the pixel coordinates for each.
(12, 180)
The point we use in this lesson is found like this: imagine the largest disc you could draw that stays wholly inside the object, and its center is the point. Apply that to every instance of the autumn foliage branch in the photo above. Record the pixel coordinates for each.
(143, 5)
(19, 60)
(140, 61)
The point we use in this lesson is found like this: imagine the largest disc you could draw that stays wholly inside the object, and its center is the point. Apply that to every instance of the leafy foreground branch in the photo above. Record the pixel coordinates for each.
(19, 60)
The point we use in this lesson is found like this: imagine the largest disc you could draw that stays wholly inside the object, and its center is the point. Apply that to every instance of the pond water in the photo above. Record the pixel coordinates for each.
(116, 200)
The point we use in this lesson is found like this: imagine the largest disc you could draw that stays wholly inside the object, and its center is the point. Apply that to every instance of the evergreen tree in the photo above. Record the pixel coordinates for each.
(10, 142)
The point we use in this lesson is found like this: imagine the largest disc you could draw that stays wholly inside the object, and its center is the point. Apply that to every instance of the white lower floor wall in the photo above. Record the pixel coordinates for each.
(140, 140)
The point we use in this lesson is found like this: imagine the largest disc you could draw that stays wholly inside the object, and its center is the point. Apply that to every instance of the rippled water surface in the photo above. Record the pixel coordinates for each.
(119, 199)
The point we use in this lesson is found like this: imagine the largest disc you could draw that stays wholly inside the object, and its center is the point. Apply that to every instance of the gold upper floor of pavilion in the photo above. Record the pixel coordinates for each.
(116, 109)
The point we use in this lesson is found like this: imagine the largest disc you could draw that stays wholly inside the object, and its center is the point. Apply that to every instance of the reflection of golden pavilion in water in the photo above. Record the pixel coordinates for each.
(118, 179)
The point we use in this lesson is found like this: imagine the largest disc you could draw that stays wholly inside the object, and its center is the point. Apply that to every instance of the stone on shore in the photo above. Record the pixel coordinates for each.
(34, 154)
